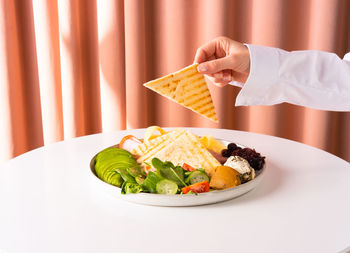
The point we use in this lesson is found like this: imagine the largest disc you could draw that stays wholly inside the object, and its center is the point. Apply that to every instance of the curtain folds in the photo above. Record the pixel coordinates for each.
(71, 68)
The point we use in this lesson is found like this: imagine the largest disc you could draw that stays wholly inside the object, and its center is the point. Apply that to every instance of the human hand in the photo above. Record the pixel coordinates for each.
(223, 60)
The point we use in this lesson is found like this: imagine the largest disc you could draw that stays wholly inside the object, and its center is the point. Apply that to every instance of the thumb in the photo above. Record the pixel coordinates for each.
(214, 66)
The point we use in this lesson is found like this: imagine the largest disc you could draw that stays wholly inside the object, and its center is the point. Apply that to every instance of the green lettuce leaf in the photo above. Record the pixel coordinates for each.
(128, 188)
(150, 183)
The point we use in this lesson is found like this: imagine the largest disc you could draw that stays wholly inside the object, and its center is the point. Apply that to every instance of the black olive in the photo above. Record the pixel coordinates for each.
(226, 153)
(232, 146)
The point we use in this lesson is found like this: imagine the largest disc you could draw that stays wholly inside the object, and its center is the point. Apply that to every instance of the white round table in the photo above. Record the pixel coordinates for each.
(49, 203)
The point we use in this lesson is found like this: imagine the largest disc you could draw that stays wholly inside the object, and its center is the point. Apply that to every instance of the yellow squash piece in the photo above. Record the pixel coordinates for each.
(213, 144)
(188, 88)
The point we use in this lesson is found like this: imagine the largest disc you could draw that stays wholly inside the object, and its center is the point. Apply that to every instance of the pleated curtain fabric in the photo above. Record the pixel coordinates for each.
(72, 68)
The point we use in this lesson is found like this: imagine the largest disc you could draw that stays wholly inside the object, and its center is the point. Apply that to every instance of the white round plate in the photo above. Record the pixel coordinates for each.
(180, 199)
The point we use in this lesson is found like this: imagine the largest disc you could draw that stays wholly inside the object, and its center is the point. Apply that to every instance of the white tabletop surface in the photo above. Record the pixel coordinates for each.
(49, 203)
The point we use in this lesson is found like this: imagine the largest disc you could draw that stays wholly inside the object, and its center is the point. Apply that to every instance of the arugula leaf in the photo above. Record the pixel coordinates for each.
(150, 183)
(156, 163)
(180, 172)
(167, 164)
(169, 171)
(174, 174)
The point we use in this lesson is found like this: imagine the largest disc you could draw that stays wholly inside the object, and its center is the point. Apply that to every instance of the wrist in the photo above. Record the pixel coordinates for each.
(247, 59)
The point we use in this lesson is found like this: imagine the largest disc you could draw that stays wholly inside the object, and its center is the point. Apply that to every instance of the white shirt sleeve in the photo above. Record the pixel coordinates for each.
(309, 78)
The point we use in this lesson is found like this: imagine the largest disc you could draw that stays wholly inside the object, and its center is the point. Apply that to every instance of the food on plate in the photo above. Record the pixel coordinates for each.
(242, 166)
(116, 166)
(188, 167)
(166, 186)
(196, 176)
(214, 147)
(218, 156)
(213, 144)
(173, 162)
(254, 158)
(129, 143)
(224, 177)
(199, 187)
(188, 88)
(178, 146)
(148, 148)
(170, 179)
(149, 135)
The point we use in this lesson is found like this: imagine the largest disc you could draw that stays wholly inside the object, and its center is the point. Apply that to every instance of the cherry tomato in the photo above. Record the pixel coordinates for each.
(188, 167)
(197, 187)
(148, 169)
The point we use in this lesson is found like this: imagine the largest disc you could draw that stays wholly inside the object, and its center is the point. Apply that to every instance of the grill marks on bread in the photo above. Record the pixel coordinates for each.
(188, 88)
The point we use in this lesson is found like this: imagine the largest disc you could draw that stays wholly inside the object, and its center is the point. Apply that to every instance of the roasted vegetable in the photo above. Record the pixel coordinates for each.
(224, 177)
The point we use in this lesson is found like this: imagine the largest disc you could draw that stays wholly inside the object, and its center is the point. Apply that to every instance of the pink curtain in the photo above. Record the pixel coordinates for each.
(72, 68)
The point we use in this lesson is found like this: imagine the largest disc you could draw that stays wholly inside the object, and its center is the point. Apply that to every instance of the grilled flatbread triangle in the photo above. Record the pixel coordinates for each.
(188, 88)
(147, 150)
(182, 147)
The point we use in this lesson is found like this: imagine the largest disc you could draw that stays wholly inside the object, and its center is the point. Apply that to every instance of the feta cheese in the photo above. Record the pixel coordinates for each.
(242, 166)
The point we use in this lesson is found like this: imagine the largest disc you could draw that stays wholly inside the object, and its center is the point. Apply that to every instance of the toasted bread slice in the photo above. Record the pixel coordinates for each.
(188, 88)
(185, 148)
(148, 149)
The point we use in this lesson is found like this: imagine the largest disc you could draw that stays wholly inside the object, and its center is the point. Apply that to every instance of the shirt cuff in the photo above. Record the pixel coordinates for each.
(264, 66)
(238, 84)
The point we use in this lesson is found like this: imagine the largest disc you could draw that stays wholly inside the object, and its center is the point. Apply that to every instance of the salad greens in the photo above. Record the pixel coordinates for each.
(169, 171)
(150, 183)
(131, 188)
(119, 167)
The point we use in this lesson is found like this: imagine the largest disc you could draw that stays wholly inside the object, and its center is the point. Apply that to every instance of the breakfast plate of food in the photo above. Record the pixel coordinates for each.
(177, 168)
